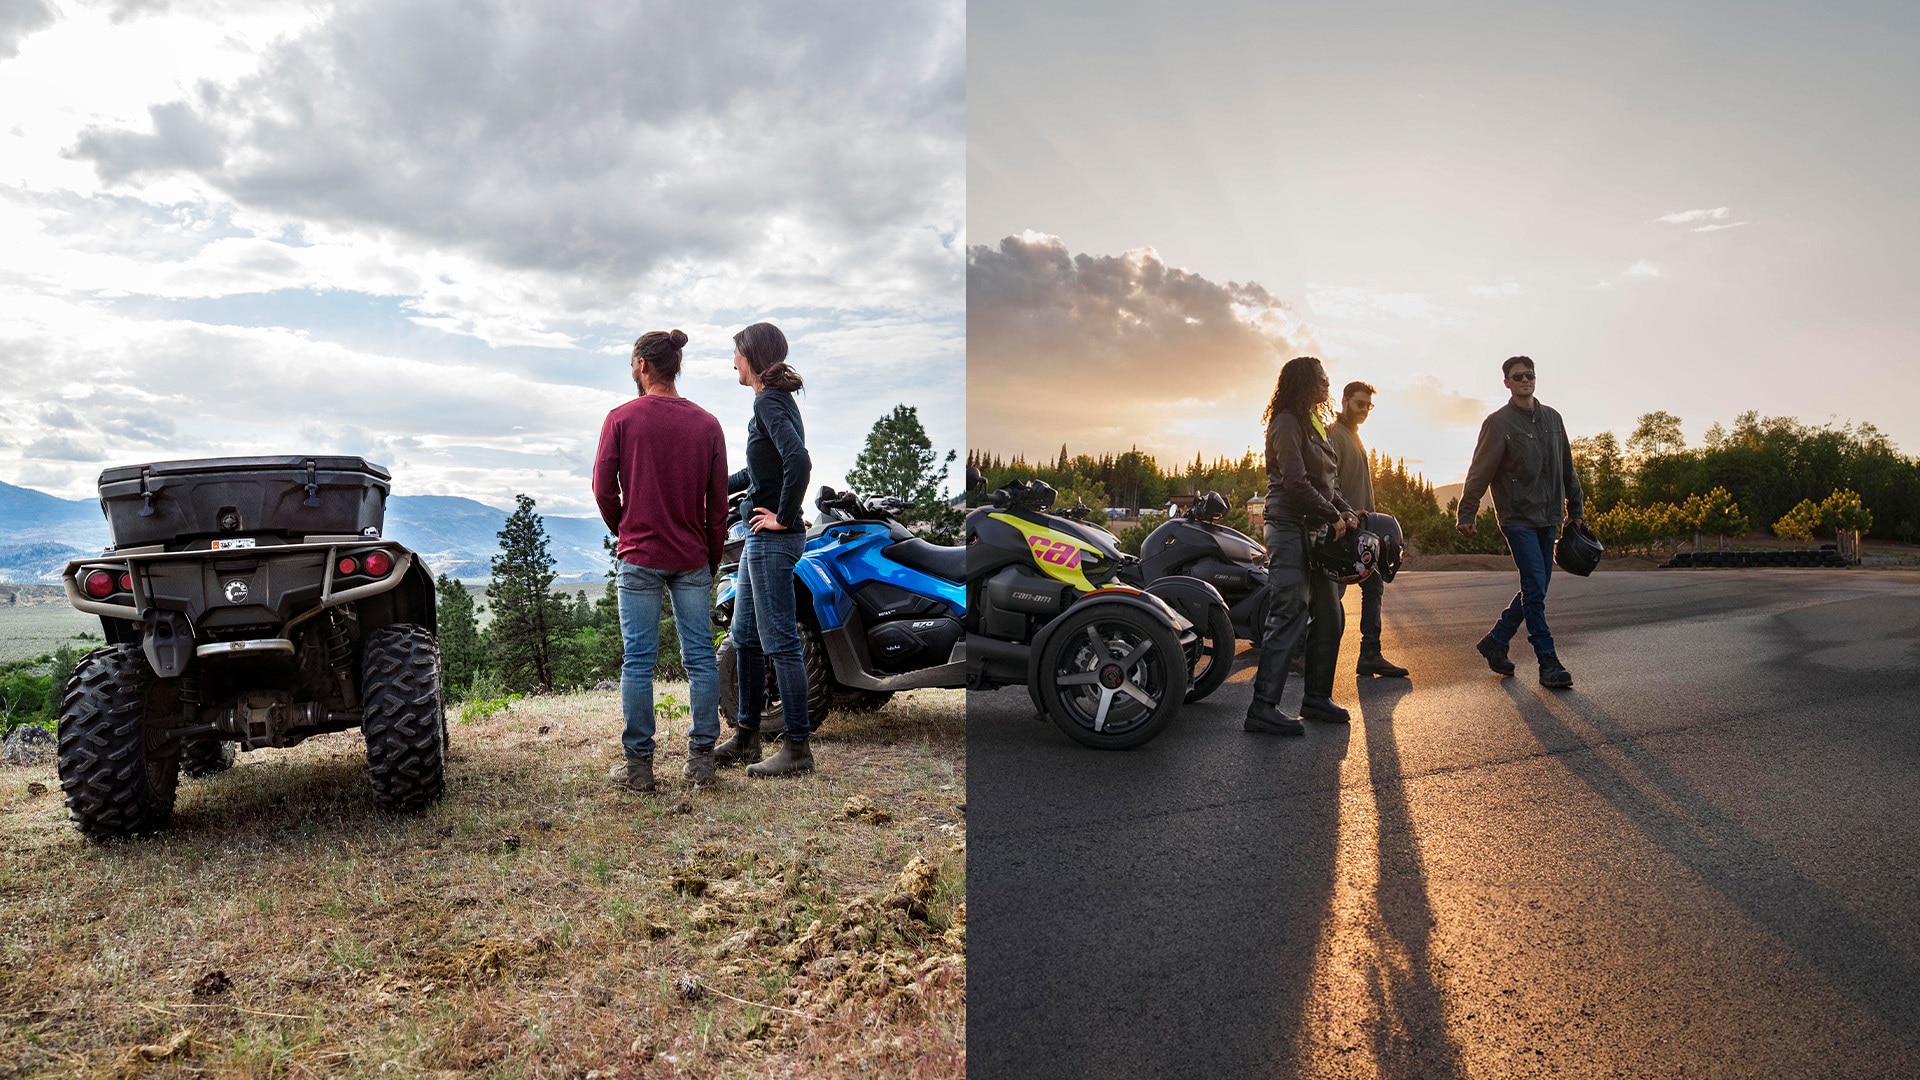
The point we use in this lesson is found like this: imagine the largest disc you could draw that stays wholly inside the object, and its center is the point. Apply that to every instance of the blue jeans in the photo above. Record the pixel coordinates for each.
(766, 627)
(692, 593)
(1533, 554)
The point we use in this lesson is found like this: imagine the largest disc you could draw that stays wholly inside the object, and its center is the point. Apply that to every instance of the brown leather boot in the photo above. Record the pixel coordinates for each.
(744, 748)
(635, 774)
(792, 759)
(699, 770)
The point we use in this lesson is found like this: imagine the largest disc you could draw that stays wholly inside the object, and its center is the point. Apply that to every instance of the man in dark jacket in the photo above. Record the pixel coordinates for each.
(1354, 476)
(1523, 455)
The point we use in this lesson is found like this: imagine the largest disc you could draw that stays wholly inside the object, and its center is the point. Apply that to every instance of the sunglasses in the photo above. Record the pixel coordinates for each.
(1521, 376)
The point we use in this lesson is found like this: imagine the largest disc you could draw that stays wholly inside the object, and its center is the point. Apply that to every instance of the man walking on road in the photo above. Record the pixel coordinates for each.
(1355, 481)
(660, 479)
(1524, 456)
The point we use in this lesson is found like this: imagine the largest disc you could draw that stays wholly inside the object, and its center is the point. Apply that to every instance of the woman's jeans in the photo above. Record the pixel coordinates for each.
(1533, 554)
(765, 627)
(1305, 603)
(692, 597)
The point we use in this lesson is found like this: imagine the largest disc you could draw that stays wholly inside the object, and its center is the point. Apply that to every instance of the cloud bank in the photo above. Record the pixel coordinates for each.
(1109, 351)
(429, 230)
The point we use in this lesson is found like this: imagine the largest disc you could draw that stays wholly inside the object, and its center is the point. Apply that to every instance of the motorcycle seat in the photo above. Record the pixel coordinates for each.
(942, 562)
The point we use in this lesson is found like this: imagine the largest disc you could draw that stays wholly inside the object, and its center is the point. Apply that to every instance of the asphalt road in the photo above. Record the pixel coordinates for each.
(1703, 860)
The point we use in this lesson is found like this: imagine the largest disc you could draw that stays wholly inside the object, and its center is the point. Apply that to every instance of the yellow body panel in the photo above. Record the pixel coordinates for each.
(1057, 553)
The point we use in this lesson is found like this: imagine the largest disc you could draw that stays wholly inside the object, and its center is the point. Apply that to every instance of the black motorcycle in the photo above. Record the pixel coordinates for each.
(1210, 656)
(1196, 546)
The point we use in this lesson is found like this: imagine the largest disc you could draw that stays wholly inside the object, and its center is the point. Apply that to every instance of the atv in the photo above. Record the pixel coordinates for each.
(1107, 662)
(246, 603)
(879, 611)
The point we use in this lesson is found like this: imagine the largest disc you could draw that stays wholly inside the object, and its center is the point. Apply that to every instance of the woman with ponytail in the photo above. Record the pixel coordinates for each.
(765, 623)
(1301, 497)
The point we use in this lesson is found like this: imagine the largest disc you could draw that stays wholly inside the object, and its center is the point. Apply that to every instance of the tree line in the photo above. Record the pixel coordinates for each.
(1796, 480)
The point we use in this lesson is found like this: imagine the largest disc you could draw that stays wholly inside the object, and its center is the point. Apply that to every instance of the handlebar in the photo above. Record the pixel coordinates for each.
(847, 503)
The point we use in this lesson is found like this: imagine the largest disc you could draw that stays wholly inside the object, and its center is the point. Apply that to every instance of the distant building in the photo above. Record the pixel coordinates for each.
(1256, 514)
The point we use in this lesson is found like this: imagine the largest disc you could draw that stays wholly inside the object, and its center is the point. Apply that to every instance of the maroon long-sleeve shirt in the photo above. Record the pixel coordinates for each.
(660, 479)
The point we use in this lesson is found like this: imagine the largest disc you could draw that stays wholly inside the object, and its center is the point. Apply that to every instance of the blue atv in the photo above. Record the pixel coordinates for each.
(880, 611)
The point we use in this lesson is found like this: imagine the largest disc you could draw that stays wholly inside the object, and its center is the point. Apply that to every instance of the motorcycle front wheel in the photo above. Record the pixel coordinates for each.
(1111, 677)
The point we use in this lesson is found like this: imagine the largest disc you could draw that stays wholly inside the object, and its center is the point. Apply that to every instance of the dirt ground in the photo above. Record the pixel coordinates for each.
(537, 922)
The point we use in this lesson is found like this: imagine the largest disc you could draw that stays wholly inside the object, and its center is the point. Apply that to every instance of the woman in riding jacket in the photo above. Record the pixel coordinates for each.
(1301, 498)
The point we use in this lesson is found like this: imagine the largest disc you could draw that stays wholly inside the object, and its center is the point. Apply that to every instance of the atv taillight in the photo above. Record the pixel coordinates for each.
(126, 582)
(99, 584)
(348, 566)
(378, 563)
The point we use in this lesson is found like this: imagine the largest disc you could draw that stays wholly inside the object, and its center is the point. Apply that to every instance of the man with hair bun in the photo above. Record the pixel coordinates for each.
(660, 479)
(1354, 478)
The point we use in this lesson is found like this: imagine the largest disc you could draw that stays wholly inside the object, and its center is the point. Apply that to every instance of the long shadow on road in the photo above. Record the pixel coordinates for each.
(1852, 954)
(1409, 1032)
(1155, 934)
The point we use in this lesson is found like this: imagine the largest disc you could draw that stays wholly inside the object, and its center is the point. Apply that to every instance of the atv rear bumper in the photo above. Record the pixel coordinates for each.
(230, 601)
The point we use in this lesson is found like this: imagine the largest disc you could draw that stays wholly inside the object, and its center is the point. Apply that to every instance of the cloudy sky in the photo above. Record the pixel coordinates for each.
(428, 231)
(1703, 208)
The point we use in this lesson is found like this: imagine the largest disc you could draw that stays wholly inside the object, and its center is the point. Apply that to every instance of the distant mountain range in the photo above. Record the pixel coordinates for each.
(39, 533)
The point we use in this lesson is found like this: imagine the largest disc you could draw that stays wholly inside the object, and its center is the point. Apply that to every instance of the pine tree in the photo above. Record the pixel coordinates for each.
(529, 618)
(462, 655)
(899, 459)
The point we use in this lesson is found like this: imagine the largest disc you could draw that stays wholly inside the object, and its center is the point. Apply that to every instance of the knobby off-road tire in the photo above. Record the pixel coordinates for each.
(820, 685)
(116, 783)
(207, 757)
(403, 717)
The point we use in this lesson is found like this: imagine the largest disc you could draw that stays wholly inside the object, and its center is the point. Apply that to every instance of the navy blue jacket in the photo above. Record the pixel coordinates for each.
(778, 465)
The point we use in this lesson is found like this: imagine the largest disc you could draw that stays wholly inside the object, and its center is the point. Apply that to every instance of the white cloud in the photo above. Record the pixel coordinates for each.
(1717, 228)
(1681, 217)
(1498, 292)
(1643, 268)
(1108, 351)
(19, 19)
(428, 230)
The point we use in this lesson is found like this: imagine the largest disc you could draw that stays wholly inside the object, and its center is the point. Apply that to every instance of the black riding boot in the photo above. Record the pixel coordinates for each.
(1269, 680)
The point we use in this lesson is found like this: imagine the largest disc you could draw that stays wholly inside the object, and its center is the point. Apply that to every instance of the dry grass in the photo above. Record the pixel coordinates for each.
(537, 922)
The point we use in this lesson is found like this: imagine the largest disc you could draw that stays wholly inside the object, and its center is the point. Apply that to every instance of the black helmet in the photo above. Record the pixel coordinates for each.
(1209, 507)
(1578, 551)
(1393, 545)
(1348, 559)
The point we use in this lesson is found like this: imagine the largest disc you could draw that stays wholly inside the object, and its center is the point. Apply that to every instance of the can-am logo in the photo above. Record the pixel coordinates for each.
(1032, 597)
(236, 591)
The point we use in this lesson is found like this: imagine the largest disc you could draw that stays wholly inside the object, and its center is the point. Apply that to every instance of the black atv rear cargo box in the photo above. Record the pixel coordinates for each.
(174, 502)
